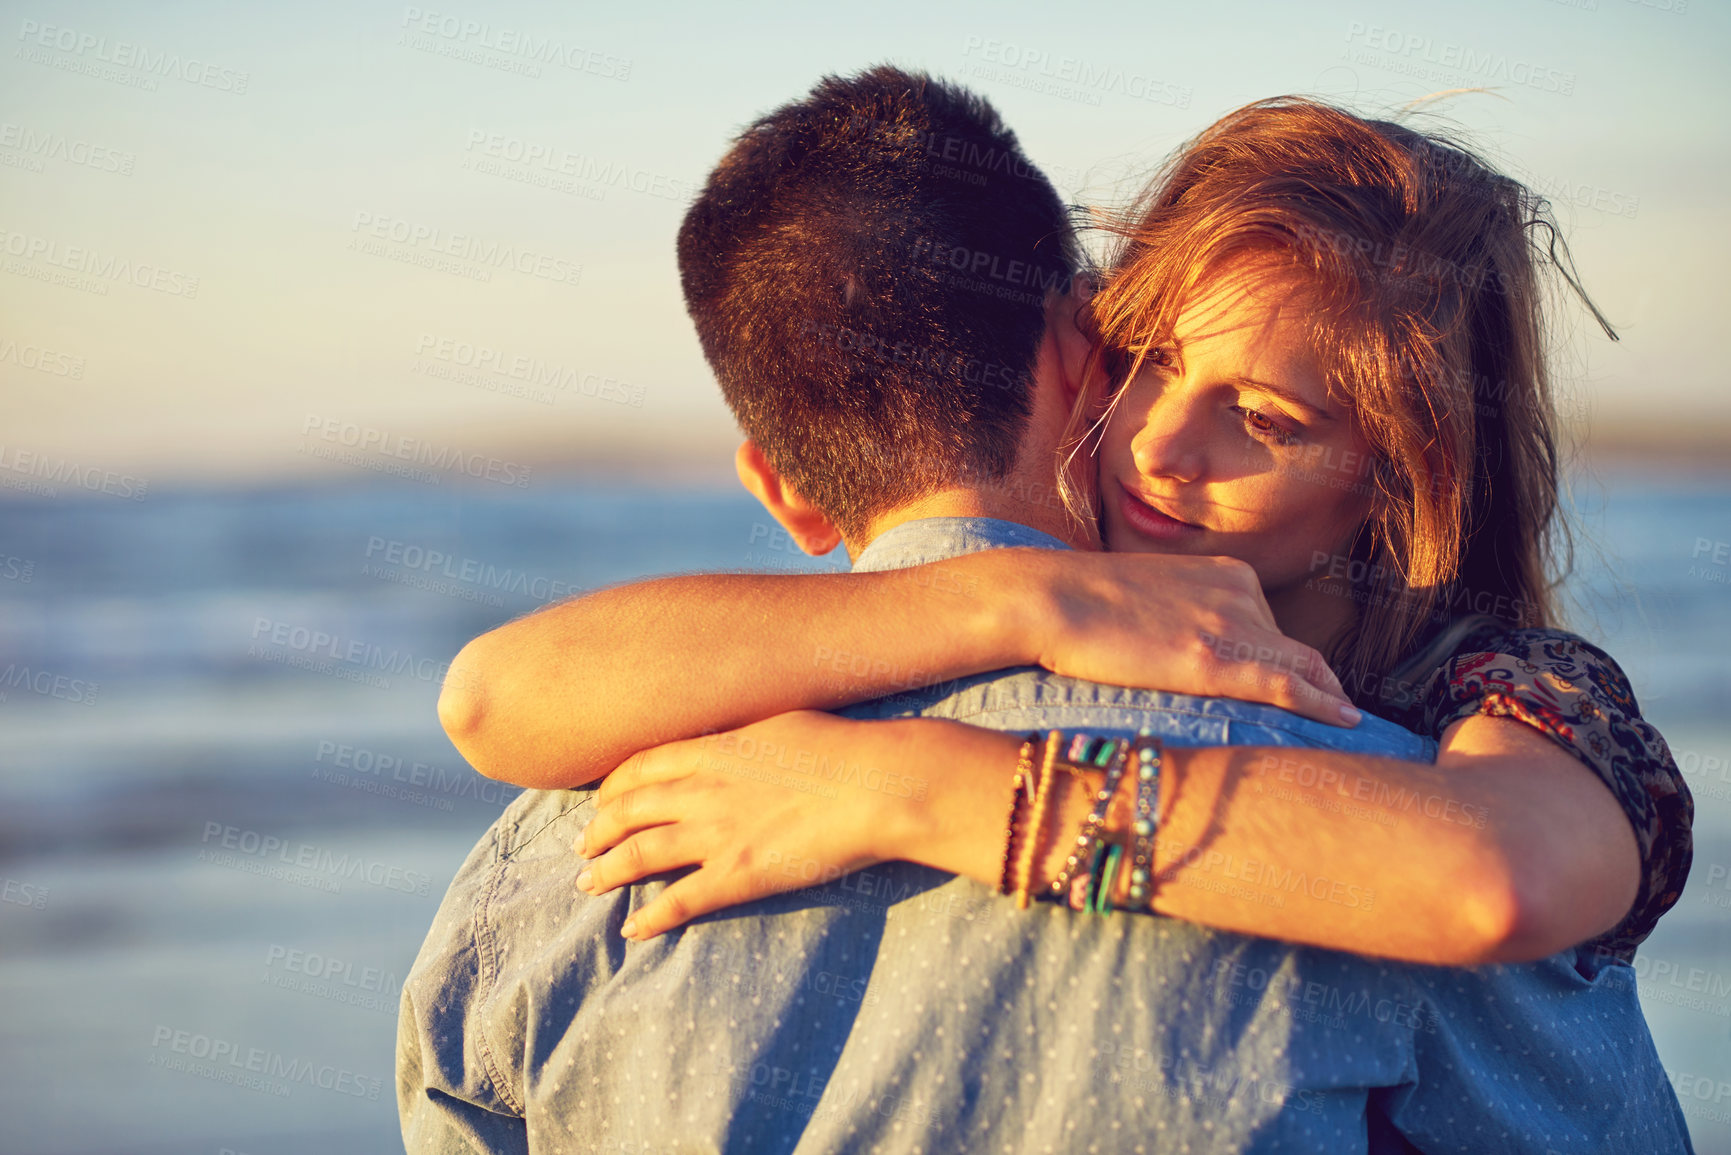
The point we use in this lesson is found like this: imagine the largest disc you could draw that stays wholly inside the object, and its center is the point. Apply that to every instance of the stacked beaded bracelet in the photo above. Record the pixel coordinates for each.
(1022, 787)
(1147, 754)
(1078, 887)
(1102, 883)
(1090, 873)
(1042, 794)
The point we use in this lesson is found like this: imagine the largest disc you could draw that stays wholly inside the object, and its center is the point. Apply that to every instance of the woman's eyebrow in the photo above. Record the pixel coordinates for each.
(1284, 393)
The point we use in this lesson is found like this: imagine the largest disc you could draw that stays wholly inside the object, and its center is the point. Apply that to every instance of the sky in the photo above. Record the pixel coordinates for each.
(296, 240)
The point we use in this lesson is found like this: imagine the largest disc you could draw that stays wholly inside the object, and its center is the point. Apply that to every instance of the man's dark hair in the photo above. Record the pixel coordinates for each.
(866, 269)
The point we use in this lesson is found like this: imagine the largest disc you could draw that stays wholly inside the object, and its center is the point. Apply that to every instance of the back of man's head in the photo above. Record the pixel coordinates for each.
(867, 270)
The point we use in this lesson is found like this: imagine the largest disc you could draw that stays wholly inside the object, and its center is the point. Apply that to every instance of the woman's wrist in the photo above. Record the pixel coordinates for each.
(1016, 605)
(954, 821)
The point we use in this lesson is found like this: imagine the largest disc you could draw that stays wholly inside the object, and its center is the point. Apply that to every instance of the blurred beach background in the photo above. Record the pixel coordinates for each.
(334, 335)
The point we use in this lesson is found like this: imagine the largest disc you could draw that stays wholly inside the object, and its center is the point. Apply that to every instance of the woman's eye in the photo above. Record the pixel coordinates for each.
(1156, 356)
(1264, 428)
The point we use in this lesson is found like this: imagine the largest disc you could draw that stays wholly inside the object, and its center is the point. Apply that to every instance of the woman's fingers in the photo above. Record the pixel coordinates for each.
(730, 803)
(1281, 672)
(665, 763)
(707, 889)
(638, 856)
(1190, 625)
(1302, 697)
(630, 812)
(683, 900)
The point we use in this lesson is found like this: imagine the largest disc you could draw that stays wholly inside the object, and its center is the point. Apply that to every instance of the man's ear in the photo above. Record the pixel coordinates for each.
(809, 527)
(1066, 323)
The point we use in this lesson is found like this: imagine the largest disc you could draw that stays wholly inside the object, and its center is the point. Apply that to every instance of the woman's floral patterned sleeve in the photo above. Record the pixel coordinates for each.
(1570, 690)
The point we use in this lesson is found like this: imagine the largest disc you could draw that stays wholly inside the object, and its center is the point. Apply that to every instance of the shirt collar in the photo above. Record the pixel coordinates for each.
(936, 538)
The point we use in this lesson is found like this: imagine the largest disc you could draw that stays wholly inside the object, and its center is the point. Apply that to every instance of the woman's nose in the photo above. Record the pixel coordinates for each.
(1170, 442)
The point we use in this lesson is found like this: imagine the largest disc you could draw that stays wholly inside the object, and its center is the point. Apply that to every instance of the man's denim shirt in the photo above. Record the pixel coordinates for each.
(902, 1009)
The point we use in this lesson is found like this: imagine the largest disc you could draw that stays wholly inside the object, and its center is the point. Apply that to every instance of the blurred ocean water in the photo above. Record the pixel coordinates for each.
(227, 812)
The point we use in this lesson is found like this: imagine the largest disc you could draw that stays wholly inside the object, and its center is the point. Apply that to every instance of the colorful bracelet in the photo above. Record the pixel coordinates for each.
(1148, 754)
(1021, 787)
(1037, 824)
(1071, 886)
(1108, 880)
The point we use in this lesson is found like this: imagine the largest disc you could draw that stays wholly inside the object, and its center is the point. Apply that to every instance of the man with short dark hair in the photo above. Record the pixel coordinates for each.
(864, 257)
(850, 278)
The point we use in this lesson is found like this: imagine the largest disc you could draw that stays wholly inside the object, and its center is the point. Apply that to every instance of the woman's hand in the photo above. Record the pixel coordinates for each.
(1188, 625)
(791, 802)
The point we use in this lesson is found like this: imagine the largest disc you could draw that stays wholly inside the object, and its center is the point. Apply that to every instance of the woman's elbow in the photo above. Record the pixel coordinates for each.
(489, 717)
(1552, 908)
(1486, 922)
(463, 708)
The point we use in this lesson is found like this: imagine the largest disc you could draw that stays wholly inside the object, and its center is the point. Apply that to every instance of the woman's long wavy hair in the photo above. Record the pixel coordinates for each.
(1424, 270)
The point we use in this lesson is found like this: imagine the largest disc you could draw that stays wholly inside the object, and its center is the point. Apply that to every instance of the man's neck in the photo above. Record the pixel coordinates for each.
(1037, 507)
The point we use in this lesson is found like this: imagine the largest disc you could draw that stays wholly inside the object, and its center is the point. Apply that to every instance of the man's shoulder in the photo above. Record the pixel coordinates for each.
(536, 824)
(1034, 698)
(533, 815)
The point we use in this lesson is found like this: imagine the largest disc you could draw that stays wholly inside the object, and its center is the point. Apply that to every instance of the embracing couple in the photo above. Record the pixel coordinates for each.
(1340, 844)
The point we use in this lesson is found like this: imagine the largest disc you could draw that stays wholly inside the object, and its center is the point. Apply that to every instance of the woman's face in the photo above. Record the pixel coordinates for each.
(1226, 441)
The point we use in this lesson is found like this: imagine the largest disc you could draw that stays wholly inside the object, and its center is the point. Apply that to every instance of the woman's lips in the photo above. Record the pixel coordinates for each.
(1150, 522)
